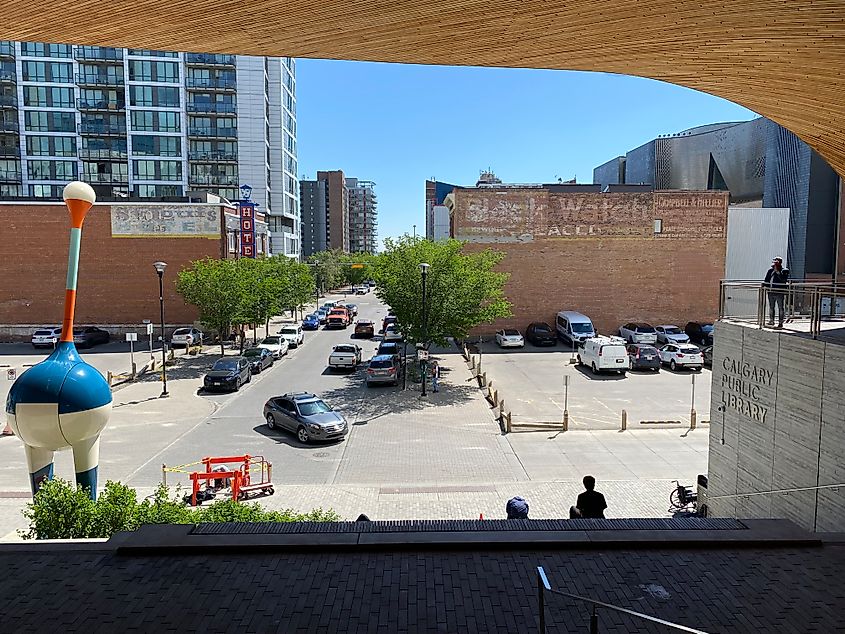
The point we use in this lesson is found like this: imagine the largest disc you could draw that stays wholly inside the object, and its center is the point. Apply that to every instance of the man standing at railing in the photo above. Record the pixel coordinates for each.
(776, 279)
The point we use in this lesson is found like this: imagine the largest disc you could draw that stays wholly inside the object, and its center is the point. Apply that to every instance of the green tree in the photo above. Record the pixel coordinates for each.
(357, 267)
(218, 289)
(264, 284)
(462, 289)
(328, 268)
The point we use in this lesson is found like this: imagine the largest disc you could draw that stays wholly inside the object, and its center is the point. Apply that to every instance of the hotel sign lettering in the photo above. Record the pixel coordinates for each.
(741, 385)
(247, 215)
(164, 221)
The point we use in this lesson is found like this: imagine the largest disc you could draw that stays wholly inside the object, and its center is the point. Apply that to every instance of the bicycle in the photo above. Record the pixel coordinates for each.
(682, 498)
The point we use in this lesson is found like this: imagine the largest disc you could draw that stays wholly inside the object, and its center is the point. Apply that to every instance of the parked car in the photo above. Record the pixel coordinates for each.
(365, 328)
(44, 337)
(228, 373)
(670, 334)
(509, 338)
(275, 344)
(90, 336)
(384, 368)
(311, 322)
(259, 359)
(185, 337)
(345, 356)
(707, 355)
(322, 315)
(540, 334)
(360, 290)
(643, 356)
(638, 333)
(293, 334)
(307, 416)
(391, 348)
(677, 355)
(604, 354)
(338, 318)
(700, 332)
(353, 309)
(393, 333)
(574, 328)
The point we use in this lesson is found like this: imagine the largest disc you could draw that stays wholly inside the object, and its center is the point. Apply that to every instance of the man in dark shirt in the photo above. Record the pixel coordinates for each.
(776, 281)
(590, 503)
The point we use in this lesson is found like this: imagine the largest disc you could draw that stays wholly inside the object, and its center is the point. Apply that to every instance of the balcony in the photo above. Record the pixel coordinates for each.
(102, 129)
(215, 108)
(98, 54)
(8, 101)
(7, 48)
(103, 153)
(8, 150)
(209, 59)
(9, 126)
(101, 104)
(114, 179)
(99, 80)
(9, 177)
(215, 180)
(213, 157)
(213, 132)
(211, 83)
(8, 77)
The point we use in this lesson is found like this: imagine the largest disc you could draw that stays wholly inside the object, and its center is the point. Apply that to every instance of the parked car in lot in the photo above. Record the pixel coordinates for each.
(638, 333)
(643, 356)
(259, 359)
(345, 356)
(275, 344)
(602, 354)
(574, 328)
(707, 355)
(322, 315)
(228, 373)
(338, 318)
(185, 337)
(685, 355)
(509, 338)
(384, 368)
(90, 336)
(391, 348)
(700, 332)
(311, 322)
(43, 337)
(670, 334)
(307, 416)
(293, 334)
(540, 334)
(352, 308)
(365, 329)
(393, 333)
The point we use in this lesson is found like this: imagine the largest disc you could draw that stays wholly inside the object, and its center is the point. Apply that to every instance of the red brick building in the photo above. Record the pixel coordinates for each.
(118, 286)
(653, 256)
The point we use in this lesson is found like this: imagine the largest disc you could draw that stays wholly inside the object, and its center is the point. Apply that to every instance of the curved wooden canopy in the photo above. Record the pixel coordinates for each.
(781, 58)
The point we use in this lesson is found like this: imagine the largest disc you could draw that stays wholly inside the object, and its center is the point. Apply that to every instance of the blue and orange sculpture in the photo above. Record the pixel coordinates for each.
(62, 401)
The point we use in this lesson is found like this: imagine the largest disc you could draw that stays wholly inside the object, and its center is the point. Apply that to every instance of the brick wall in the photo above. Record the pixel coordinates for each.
(599, 253)
(117, 283)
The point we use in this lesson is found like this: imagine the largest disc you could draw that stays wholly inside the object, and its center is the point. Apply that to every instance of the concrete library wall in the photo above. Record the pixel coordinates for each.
(781, 426)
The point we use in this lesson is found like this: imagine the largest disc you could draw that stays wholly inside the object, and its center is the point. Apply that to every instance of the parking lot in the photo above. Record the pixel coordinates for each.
(531, 381)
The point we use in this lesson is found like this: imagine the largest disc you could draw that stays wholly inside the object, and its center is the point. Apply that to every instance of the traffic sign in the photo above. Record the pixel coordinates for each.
(131, 336)
(11, 374)
(422, 355)
(149, 329)
(357, 265)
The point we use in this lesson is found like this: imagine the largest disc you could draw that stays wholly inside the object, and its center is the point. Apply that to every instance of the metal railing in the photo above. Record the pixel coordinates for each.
(99, 80)
(104, 129)
(8, 101)
(212, 156)
(806, 304)
(103, 153)
(544, 586)
(105, 177)
(98, 54)
(7, 48)
(209, 59)
(213, 131)
(213, 107)
(211, 83)
(100, 104)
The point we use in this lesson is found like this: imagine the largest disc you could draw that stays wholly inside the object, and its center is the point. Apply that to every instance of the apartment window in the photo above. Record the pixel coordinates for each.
(38, 121)
(157, 191)
(34, 71)
(157, 170)
(45, 191)
(155, 121)
(50, 146)
(47, 97)
(38, 145)
(149, 145)
(60, 72)
(51, 170)
(35, 49)
(9, 190)
(151, 53)
(154, 96)
(143, 70)
(109, 74)
(170, 170)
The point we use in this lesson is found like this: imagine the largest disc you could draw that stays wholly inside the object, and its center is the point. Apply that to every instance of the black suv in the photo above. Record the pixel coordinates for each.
(701, 333)
(541, 334)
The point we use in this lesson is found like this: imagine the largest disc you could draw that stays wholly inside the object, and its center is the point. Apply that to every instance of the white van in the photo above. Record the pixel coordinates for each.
(602, 354)
(573, 328)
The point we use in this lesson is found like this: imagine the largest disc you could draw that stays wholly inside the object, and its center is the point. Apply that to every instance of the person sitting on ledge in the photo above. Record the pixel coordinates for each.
(517, 509)
(590, 504)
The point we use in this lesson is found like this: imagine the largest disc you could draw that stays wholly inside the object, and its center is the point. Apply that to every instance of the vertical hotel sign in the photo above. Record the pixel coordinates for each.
(247, 218)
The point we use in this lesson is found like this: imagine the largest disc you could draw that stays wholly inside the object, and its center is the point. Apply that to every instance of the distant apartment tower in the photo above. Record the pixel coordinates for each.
(144, 124)
(325, 213)
(363, 216)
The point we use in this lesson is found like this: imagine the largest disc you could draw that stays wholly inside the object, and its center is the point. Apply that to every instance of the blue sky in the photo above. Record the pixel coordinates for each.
(400, 124)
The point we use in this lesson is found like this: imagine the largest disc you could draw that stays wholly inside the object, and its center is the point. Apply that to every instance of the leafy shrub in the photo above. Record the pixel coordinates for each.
(61, 510)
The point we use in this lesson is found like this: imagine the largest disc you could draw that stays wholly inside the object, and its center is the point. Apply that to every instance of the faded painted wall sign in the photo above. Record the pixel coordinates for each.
(177, 221)
(741, 383)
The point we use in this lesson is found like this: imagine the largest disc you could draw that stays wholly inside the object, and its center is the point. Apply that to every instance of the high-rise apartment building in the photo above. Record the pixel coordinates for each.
(363, 215)
(325, 213)
(139, 123)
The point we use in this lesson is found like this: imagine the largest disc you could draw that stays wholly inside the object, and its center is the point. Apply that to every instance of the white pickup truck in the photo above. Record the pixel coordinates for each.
(345, 356)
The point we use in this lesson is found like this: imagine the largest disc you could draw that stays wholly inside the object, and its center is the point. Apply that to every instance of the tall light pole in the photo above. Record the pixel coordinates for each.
(415, 233)
(424, 364)
(159, 267)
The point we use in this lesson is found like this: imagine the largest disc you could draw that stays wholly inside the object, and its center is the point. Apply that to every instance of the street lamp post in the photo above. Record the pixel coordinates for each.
(159, 267)
(424, 364)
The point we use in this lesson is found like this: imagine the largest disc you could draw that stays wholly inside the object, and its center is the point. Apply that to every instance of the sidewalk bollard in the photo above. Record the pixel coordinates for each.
(164, 474)
(566, 420)
(109, 377)
(501, 409)
(509, 422)
(472, 362)
(483, 379)
(495, 398)
(134, 370)
(624, 420)
(692, 419)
